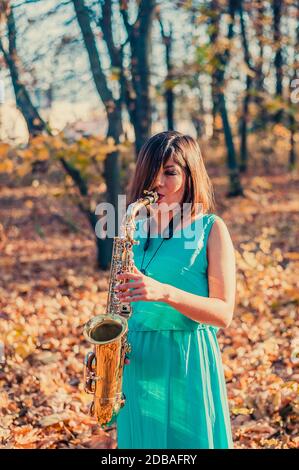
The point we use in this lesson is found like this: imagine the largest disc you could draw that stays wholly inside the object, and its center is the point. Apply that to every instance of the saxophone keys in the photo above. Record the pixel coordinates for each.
(128, 351)
(89, 386)
(123, 400)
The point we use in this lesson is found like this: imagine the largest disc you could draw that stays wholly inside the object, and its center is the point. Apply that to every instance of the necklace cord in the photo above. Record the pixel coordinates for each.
(147, 243)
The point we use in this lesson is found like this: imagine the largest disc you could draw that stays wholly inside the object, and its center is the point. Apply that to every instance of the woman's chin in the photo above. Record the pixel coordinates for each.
(163, 206)
(161, 199)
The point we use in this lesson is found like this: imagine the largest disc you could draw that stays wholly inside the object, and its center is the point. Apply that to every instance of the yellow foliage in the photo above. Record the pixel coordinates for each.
(106, 148)
(42, 154)
(218, 122)
(242, 411)
(110, 141)
(113, 76)
(27, 154)
(84, 153)
(281, 131)
(100, 157)
(22, 170)
(38, 141)
(6, 166)
(169, 84)
(57, 143)
(292, 255)
(4, 148)
(248, 318)
(22, 342)
(29, 204)
(261, 182)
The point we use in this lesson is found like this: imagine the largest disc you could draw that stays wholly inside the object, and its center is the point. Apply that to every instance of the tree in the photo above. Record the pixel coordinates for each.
(139, 37)
(293, 123)
(169, 80)
(36, 126)
(35, 123)
(221, 59)
(133, 82)
(250, 74)
(277, 6)
(113, 112)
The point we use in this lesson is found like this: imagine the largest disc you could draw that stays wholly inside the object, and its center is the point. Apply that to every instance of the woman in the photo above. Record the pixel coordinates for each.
(174, 385)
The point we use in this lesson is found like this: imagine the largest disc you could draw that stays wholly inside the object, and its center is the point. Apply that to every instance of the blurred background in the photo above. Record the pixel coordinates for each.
(83, 84)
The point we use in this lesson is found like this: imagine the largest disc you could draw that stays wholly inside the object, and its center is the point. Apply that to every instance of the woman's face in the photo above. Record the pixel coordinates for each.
(170, 183)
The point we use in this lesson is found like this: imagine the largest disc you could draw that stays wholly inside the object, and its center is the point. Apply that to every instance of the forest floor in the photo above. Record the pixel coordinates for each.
(50, 286)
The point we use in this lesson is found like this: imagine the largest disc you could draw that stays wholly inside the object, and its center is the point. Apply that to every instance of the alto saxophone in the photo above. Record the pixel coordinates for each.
(103, 368)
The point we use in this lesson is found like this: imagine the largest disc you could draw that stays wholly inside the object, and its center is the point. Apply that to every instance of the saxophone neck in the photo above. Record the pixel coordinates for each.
(128, 225)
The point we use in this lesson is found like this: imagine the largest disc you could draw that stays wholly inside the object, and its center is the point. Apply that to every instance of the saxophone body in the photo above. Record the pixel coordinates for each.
(103, 367)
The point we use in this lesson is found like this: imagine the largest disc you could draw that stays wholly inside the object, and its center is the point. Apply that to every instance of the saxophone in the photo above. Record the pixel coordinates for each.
(103, 368)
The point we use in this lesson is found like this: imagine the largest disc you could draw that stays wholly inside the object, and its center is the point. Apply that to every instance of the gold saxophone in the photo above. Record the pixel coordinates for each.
(103, 368)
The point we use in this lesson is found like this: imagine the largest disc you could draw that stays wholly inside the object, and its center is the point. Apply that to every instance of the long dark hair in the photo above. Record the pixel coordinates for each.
(186, 153)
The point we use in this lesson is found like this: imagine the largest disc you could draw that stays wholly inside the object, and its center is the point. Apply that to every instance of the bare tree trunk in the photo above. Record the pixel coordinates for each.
(222, 59)
(293, 106)
(262, 117)
(34, 122)
(139, 35)
(214, 26)
(292, 154)
(277, 13)
(169, 95)
(197, 117)
(246, 100)
(260, 34)
(113, 110)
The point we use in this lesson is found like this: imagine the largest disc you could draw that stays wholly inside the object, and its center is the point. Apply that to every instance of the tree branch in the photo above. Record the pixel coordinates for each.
(124, 13)
(105, 23)
(94, 57)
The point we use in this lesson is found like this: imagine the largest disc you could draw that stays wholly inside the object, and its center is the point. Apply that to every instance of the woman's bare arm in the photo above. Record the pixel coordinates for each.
(218, 308)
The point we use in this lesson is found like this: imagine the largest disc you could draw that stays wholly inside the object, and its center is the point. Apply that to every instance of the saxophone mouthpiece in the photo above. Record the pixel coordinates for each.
(152, 196)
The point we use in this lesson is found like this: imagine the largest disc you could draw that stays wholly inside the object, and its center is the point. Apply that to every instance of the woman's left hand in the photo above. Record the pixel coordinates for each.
(143, 288)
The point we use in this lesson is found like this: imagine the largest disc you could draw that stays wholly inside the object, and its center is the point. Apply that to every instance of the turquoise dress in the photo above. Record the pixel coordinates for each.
(174, 385)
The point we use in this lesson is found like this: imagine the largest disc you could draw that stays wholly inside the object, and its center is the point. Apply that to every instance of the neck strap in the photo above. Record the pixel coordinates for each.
(170, 228)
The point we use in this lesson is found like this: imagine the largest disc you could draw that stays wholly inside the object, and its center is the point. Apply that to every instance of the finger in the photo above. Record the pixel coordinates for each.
(127, 285)
(133, 299)
(131, 294)
(128, 276)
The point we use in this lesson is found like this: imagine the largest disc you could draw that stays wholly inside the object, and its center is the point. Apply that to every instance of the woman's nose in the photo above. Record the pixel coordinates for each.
(159, 182)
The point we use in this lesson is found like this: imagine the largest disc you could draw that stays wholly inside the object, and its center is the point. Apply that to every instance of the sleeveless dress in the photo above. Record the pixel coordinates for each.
(175, 388)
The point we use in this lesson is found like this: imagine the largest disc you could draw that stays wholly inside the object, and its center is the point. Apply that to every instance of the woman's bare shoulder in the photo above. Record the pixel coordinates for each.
(219, 236)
